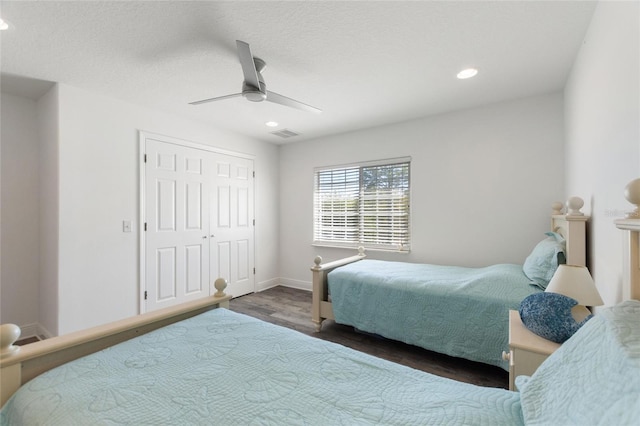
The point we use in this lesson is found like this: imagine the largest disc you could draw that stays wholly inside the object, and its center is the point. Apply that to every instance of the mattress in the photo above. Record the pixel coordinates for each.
(226, 368)
(457, 311)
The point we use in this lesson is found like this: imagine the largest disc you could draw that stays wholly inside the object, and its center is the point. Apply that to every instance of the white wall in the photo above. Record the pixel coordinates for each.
(483, 181)
(19, 230)
(603, 133)
(98, 172)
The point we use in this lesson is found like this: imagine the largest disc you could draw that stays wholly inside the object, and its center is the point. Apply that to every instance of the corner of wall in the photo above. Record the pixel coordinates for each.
(49, 143)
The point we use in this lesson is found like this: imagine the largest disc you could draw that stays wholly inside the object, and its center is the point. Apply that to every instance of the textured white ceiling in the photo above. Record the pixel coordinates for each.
(364, 63)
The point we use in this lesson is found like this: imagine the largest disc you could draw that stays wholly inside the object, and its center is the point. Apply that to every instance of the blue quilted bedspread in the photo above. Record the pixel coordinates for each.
(462, 312)
(226, 368)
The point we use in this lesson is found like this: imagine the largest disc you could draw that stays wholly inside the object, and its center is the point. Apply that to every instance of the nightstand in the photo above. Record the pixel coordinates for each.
(527, 350)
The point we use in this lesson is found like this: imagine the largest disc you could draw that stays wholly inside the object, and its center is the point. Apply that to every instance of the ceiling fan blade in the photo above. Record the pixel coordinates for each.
(283, 100)
(248, 66)
(219, 98)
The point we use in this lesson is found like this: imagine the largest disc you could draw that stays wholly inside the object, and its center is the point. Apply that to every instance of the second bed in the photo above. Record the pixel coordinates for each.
(457, 311)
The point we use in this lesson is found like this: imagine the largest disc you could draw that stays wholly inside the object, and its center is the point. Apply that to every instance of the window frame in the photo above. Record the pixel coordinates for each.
(403, 247)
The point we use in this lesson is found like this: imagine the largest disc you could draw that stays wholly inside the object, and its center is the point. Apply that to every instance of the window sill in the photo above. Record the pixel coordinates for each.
(367, 249)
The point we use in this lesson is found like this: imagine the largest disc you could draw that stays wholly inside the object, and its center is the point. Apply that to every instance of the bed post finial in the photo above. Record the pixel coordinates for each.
(632, 194)
(317, 261)
(556, 207)
(9, 333)
(220, 284)
(574, 204)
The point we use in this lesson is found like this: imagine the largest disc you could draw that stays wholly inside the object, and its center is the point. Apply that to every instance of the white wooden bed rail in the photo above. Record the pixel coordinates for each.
(571, 225)
(19, 364)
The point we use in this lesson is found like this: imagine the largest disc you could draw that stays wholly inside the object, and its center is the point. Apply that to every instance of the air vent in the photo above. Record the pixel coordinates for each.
(285, 133)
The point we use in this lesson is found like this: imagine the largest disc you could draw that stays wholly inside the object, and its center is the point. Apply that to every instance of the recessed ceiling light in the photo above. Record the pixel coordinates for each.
(271, 124)
(468, 73)
(4, 25)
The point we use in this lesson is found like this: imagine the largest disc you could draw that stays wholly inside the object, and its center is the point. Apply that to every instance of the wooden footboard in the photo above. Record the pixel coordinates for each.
(20, 364)
(321, 304)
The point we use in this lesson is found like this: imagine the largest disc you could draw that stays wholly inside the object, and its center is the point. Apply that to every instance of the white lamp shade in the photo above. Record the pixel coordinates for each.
(575, 282)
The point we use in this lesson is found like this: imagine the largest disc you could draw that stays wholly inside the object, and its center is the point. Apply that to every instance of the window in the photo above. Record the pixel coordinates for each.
(363, 205)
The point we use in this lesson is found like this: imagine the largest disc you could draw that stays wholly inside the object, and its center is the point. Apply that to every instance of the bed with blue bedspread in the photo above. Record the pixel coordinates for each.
(458, 311)
(226, 368)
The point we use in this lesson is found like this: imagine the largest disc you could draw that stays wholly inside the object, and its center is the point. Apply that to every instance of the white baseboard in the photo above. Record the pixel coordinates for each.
(285, 282)
(28, 330)
(261, 286)
(43, 333)
(299, 284)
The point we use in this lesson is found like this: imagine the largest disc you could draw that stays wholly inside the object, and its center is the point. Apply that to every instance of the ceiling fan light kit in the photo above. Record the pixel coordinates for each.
(254, 88)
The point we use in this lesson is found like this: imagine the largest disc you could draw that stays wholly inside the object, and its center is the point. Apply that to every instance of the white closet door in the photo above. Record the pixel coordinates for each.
(177, 189)
(232, 227)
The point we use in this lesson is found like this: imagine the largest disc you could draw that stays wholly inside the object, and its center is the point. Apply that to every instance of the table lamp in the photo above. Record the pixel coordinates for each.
(575, 281)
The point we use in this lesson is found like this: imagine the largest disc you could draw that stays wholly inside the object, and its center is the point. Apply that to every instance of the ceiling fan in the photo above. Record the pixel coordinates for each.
(254, 87)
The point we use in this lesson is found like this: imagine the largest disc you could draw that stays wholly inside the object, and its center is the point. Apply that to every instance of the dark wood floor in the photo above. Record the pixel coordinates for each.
(291, 308)
(27, 340)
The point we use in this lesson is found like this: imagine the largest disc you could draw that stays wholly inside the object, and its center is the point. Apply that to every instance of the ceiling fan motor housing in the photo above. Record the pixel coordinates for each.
(252, 93)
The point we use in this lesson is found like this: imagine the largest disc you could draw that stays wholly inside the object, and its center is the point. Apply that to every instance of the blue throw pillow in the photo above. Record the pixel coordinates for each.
(543, 261)
(549, 315)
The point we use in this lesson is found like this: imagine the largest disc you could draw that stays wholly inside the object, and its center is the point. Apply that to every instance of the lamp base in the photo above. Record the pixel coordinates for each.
(579, 313)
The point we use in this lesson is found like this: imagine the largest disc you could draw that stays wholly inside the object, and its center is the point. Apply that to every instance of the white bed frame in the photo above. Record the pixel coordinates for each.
(571, 225)
(19, 364)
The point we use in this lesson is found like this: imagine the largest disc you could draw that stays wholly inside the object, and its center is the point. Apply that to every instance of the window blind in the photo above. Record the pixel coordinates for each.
(364, 205)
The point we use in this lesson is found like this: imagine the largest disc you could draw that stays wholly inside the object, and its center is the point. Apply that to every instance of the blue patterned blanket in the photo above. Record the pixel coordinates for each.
(457, 311)
(225, 368)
